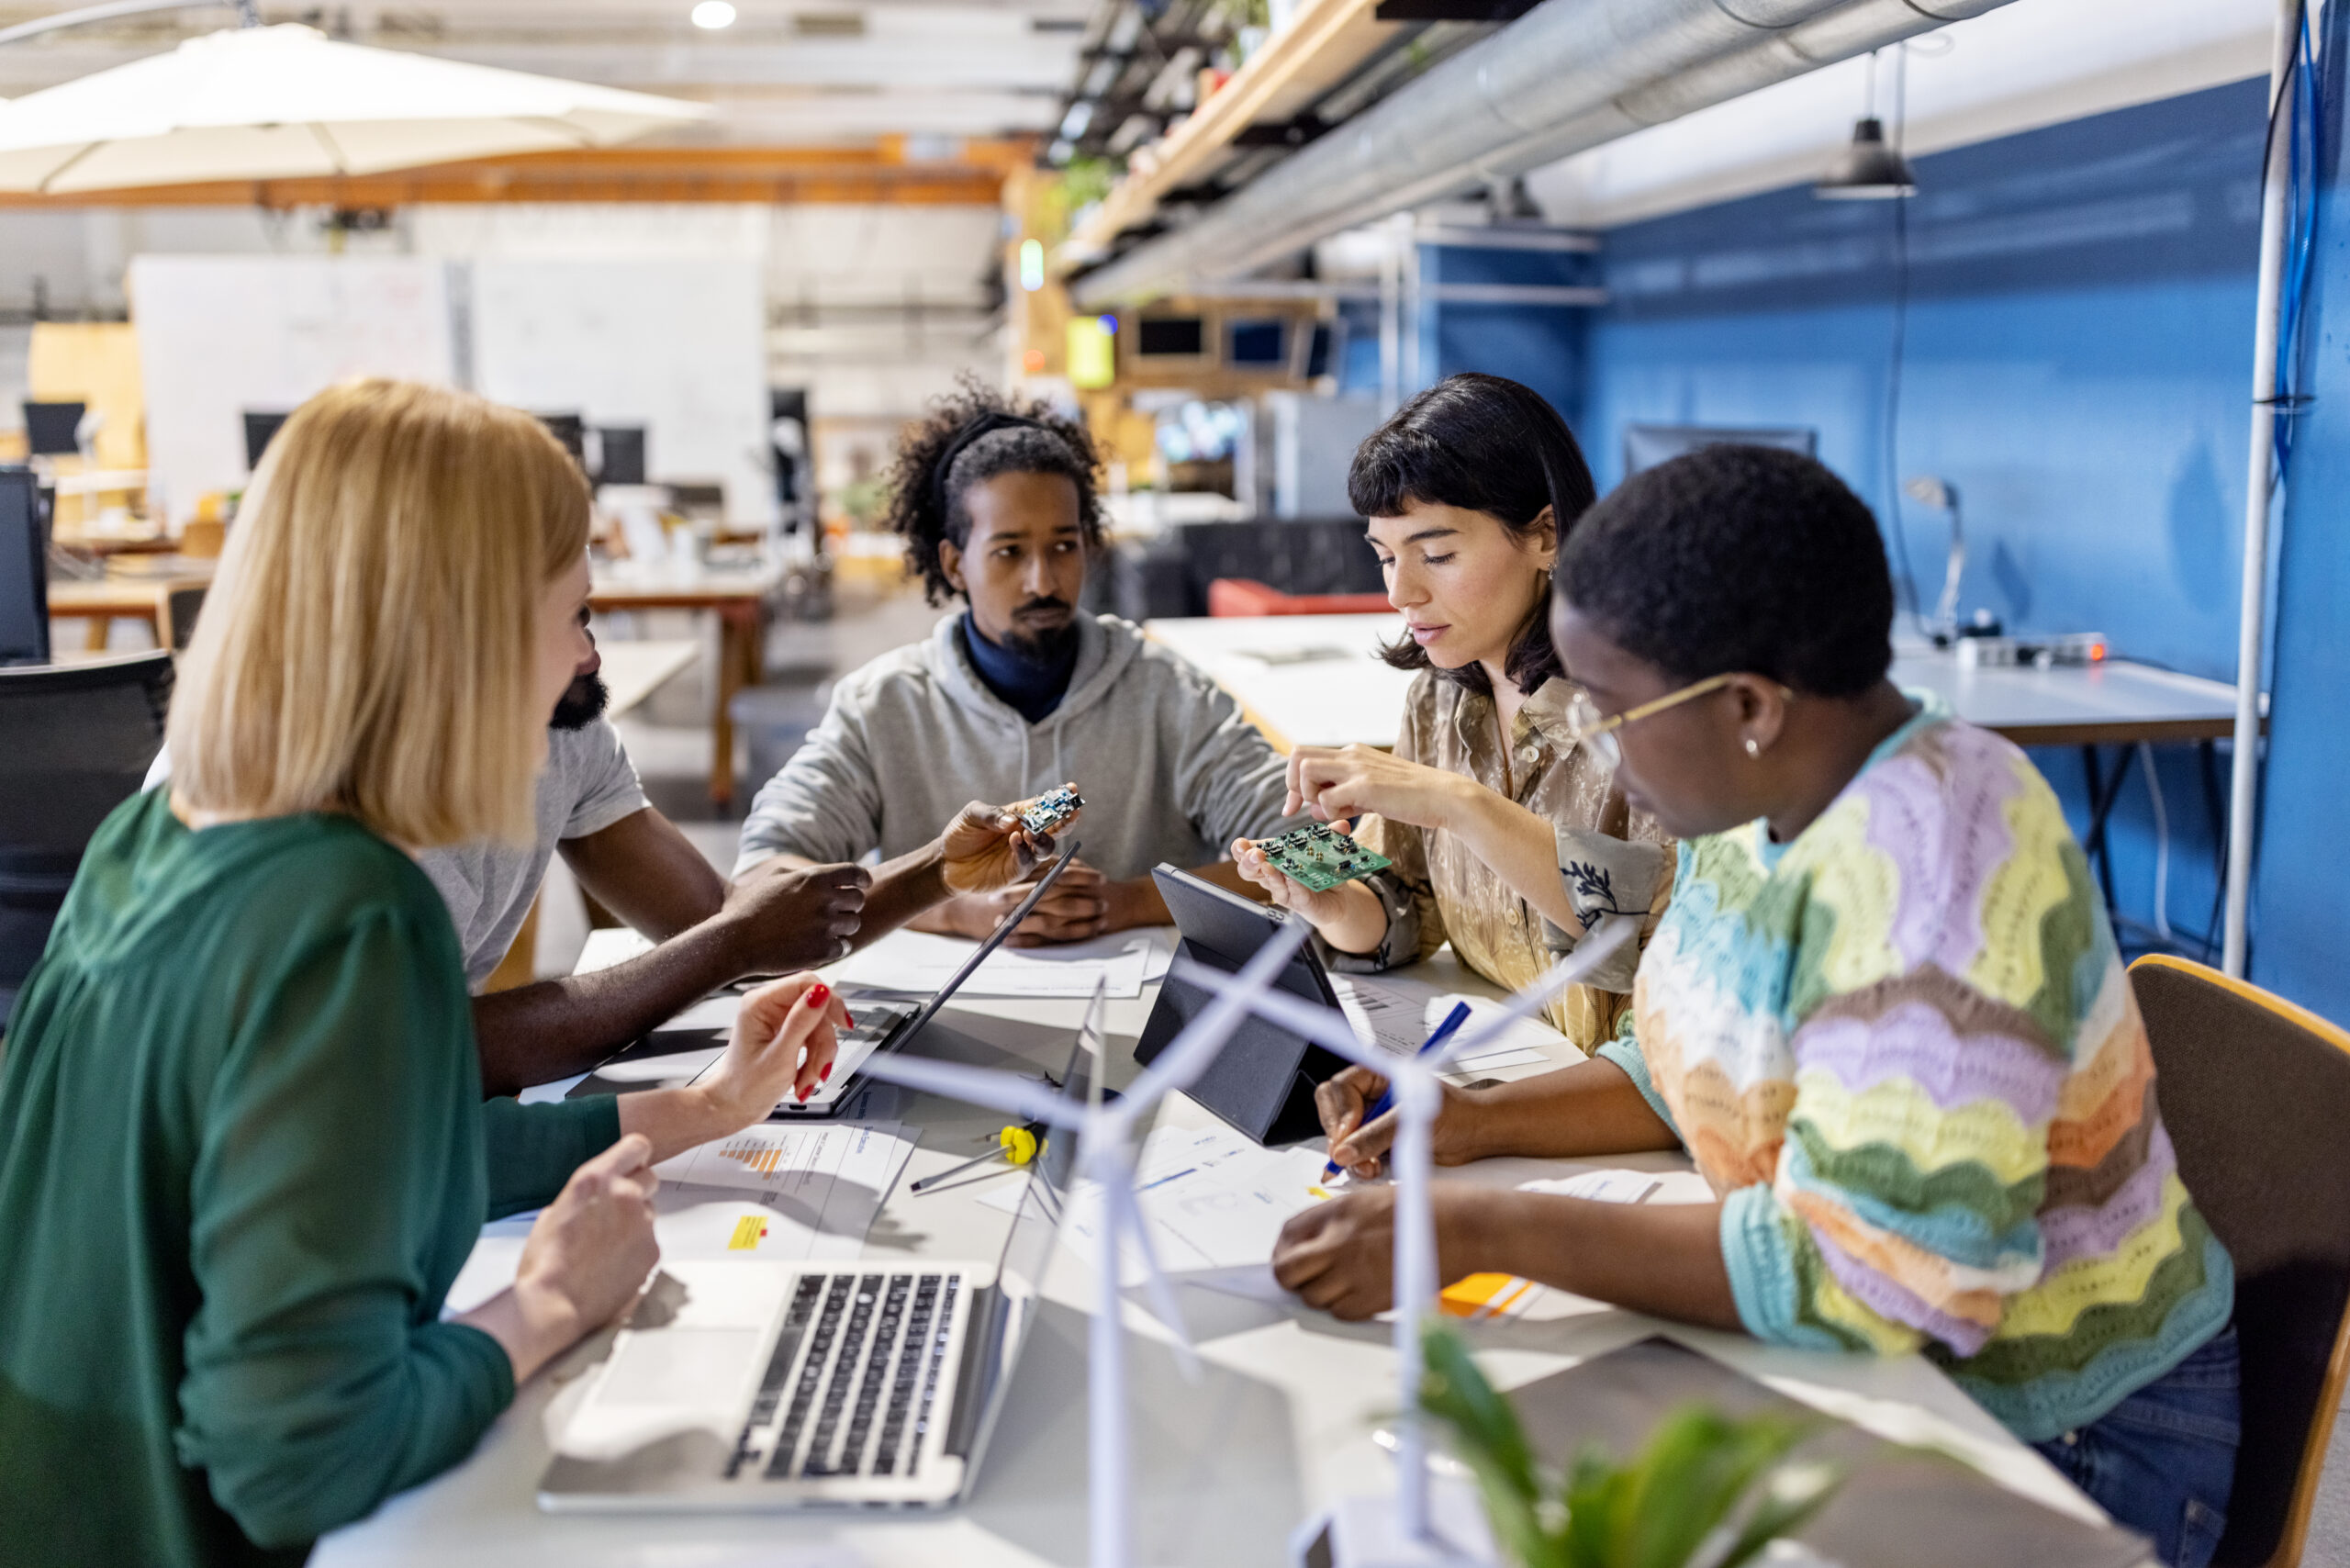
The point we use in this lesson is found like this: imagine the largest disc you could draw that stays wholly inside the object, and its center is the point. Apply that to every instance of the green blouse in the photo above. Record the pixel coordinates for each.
(243, 1153)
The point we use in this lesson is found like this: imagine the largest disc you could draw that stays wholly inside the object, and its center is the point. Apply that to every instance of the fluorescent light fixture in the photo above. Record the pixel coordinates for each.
(713, 15)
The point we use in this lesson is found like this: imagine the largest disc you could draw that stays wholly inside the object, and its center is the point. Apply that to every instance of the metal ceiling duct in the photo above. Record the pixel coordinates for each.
(1571, 74)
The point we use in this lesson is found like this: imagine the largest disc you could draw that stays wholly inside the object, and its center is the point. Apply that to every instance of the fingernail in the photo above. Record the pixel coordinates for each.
(819, 994)
(805, 1091)
(825, 1076)
(852, 1023)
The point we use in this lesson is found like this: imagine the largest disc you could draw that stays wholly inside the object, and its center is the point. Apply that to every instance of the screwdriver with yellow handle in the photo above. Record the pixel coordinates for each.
(1017, 1145)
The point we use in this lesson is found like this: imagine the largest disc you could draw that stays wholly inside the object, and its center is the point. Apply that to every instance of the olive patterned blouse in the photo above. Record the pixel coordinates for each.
(1438, 891)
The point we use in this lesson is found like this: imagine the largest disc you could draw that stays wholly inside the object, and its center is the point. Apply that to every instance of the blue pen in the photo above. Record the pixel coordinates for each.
(1386, 1100)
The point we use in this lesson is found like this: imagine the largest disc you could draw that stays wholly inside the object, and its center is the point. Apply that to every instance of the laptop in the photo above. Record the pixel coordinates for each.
(882, 1025)
(743, 1386)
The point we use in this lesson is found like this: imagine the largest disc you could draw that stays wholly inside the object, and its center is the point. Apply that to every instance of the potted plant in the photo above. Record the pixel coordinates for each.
(1707, 1491)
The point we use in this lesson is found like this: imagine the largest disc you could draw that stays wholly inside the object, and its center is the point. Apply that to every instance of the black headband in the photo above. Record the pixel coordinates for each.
(973, 428)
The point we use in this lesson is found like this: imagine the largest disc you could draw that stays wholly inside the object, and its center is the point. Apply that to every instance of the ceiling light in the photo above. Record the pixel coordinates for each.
(1868, 170)
(713, 15)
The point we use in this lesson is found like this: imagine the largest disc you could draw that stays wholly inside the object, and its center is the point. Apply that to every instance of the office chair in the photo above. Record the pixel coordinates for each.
(2256, 1093)
(75, 742)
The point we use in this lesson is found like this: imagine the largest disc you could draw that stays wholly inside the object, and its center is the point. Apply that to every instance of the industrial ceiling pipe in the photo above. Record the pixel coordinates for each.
(1571, 74)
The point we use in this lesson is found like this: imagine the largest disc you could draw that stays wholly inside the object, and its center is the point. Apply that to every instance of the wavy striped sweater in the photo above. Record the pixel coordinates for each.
(1902, 1049)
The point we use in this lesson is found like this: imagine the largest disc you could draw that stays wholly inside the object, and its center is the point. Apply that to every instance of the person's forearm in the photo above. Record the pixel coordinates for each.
(1661, 1258)
(675, 1120)
(532, 1327)
(536, 1033)
(1590, 1107)
(901, 889)
(1518, 846)
(1359, 923)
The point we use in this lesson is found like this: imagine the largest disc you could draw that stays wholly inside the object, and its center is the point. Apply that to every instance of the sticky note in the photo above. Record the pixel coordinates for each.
(749, 1231)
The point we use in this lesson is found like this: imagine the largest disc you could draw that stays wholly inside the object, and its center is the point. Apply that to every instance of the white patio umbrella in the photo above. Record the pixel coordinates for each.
(288, 102)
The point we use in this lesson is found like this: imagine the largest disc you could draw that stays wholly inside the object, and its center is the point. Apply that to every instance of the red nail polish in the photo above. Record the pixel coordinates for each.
(850, 1016)
(806, 1090)
(825, 1076)
(819, 994)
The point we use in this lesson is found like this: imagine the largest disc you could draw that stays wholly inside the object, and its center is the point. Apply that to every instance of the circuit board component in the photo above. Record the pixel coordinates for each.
(1052, 810)
(1321, 858)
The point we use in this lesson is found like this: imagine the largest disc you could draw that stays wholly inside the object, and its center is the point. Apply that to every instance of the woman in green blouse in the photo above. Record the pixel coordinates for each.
(243, 1149)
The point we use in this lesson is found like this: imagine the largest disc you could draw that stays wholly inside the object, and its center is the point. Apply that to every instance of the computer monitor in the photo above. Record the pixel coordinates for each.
(1256, 344)
(1170, 337)
(1645, 446)
(1322, 351)
(572, 431)
(261, 427)
(620, 454)
(24, 570)
(51, 430)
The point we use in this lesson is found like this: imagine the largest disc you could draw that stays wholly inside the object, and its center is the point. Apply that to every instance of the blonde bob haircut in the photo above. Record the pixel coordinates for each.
(368, 646)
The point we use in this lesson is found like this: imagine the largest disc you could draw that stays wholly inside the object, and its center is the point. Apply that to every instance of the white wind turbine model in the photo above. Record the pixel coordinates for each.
(1418, 1094)
(1106, 1156)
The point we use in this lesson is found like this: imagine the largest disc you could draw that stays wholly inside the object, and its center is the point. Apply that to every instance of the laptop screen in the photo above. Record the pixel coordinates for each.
(1019, 1273)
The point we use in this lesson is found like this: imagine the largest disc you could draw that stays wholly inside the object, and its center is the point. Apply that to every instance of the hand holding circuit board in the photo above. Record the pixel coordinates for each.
(1320, 856)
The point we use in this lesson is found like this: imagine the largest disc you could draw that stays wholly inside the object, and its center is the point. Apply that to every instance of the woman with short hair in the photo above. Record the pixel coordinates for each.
(1468, 490)
(1884, 1015)
(243, 1148)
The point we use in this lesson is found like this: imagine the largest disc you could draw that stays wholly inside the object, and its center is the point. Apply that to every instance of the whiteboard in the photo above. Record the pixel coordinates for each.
(219, 335)
(677, 345)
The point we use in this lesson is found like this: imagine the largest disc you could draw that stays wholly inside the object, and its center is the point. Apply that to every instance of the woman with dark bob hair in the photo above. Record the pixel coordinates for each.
(1884, 1015)
(1469, 490)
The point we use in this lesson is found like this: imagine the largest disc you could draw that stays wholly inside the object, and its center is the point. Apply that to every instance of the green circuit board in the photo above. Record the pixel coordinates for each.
(1051, 811)
(1321, 858)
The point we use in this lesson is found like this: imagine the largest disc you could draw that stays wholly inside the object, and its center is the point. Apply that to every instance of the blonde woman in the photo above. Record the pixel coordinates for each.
(243, 1149)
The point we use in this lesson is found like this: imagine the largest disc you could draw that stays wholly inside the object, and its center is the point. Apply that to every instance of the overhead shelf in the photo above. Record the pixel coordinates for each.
(1326, 42)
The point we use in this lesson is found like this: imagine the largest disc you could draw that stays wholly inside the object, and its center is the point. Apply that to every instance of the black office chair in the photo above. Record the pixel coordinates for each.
(75, 742)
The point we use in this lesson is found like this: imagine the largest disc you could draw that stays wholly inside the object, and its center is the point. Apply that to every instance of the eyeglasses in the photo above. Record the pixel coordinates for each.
(1597, 732)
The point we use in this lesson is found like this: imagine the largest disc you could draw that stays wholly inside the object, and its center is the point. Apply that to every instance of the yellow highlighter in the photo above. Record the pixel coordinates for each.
(1017, 1145)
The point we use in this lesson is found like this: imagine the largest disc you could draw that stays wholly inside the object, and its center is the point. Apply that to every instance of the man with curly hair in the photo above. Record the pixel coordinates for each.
(1019, 693)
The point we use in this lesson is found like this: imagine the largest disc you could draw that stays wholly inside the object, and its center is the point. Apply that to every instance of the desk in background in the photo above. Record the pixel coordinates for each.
(146, 595)
(1279, 1426)
(740, 601)
(1315, 680)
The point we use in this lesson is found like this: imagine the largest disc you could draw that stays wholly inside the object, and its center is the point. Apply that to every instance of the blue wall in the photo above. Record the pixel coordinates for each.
(2076, 361)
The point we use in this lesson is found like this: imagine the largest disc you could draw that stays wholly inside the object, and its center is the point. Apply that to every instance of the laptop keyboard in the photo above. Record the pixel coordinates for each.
(853, 1386)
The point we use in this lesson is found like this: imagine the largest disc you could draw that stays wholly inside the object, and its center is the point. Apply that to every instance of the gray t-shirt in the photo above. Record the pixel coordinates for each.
(587, 785)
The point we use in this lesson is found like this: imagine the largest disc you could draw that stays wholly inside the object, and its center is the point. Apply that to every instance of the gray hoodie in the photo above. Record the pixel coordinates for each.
(1169, 768)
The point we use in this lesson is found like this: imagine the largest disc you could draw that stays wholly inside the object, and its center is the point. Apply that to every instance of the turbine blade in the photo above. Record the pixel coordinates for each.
(1319, 1024)
(1121, 1192)
(1597, 944)
(978, 1086)
(1191, 1052)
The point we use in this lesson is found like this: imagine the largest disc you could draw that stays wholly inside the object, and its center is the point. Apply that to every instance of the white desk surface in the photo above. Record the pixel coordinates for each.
(1346, 696)
(1279, 1428)
(633, 671)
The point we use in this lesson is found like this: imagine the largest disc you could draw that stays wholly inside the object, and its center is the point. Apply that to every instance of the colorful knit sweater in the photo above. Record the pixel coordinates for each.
(1903, 1049)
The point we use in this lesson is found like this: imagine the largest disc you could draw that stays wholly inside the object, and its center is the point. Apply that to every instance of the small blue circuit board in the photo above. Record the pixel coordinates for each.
(1321, 858)
(1051, 811)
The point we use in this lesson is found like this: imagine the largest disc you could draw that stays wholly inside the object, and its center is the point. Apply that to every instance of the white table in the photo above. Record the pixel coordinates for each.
(1303, 679)
(1280, 1426)
(633, 671)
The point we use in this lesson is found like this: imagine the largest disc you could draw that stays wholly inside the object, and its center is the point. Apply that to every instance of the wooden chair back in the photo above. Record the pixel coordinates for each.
(2256, 1093)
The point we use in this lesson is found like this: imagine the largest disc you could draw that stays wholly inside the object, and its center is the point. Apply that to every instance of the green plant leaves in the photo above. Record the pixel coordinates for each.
(1672, 1503)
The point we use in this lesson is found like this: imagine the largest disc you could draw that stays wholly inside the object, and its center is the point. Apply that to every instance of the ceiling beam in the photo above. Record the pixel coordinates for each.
(883, 175)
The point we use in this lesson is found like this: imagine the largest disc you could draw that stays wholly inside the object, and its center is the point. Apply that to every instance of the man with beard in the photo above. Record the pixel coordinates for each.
(1019, 694)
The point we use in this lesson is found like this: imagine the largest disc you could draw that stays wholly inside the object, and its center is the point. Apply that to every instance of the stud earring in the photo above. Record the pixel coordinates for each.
(1753, 747)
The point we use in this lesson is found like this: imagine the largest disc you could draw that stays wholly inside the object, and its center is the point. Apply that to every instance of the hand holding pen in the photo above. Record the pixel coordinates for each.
(1358, 1140)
